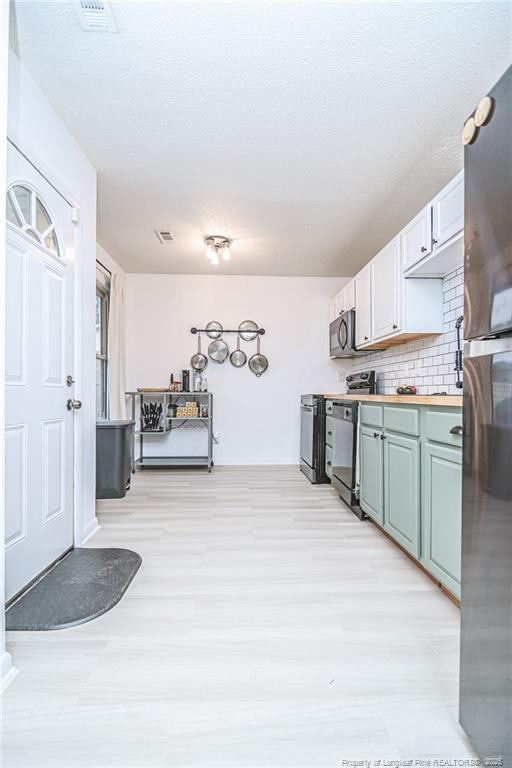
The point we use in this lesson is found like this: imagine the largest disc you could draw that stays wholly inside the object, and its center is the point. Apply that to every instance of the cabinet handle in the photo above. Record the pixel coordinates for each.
(330, 433)
(423, 249)
(434, 241)
(395, 326)
(456, 431)
(383, 437)
(376, 434)
(366, 338)
(328, 463)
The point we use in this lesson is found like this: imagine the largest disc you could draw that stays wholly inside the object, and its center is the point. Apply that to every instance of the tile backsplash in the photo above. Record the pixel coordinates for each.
(428, 363)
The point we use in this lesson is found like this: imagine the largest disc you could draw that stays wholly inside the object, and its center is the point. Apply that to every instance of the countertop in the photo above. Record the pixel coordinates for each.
(446, 401)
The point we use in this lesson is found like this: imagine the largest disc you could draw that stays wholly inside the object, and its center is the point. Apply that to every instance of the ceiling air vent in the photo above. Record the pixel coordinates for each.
(164, 236)
(95, 15)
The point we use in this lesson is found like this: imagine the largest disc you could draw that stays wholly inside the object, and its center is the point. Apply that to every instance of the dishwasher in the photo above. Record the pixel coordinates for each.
(345, 417)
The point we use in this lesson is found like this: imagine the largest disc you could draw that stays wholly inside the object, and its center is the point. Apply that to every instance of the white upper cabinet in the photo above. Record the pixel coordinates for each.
(343, 301)
(332, 309)
(386, 284)
(416, 238)
(349, 296)
(448, 211)
(444, 246)
(363, 301)
(391, 309)
(393, 302)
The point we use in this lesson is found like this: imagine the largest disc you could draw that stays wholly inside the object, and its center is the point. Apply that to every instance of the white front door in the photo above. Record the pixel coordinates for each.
(39, 358)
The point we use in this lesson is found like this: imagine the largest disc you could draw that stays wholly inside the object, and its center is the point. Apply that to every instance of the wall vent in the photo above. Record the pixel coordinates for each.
(164, 236)
(95, 15)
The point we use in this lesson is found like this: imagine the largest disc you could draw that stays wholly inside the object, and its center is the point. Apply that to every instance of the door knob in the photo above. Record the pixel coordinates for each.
(73, 405)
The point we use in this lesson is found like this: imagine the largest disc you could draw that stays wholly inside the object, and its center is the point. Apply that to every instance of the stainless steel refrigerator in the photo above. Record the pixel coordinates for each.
(486, 609)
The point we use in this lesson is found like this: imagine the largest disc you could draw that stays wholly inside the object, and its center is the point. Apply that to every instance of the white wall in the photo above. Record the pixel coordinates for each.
(37, 130)
(6, 669)
(257, 418)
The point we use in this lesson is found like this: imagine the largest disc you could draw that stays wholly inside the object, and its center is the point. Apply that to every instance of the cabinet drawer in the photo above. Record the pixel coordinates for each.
(371, 415)
(402, 418)
(439, 424)
(328, 407)
(328, 461)
(329, 431)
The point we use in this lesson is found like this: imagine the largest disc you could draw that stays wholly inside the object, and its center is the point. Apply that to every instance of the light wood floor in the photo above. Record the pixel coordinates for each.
(268, 627)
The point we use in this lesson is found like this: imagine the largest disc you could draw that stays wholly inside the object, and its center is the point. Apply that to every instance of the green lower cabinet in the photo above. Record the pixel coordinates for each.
(442, 513)
(402, 490)
(371, 492)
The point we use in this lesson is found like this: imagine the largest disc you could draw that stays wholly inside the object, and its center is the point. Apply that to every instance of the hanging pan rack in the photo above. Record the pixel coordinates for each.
(259, 331)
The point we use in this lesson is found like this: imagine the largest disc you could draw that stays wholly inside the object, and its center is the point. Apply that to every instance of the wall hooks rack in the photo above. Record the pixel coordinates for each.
(259, 331)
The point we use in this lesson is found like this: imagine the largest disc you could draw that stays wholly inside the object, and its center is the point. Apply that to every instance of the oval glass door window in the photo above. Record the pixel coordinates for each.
(26, 211)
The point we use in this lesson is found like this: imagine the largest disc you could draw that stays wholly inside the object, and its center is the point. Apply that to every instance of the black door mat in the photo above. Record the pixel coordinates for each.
(82, 586)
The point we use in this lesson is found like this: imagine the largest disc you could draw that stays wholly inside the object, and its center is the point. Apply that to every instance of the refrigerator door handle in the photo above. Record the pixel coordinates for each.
(484, 347)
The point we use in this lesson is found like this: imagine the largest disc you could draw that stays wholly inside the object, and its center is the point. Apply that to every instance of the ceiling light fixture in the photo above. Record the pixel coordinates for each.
(218, 245)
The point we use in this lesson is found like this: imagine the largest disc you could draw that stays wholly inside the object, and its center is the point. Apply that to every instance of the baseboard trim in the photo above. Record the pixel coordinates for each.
(256, 463)
(89, 532)
(7, 671)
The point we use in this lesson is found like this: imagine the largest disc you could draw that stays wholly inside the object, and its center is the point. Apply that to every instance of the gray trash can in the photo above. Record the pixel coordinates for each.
(113, 458)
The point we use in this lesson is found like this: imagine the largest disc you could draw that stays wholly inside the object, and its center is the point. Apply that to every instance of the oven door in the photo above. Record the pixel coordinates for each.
(307, 435)
(344, 450)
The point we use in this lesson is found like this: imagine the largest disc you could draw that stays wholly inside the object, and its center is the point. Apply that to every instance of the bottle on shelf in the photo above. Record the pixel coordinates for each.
(196, 381)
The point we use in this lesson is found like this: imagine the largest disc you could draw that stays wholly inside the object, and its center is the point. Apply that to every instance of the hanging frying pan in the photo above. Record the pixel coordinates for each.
(214, 329)
(198, 361)
(247, 330)
(258, 363)
(238, 358)
(218, 350)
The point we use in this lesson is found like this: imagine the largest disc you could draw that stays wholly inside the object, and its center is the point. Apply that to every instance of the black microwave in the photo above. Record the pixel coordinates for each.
(342, 335)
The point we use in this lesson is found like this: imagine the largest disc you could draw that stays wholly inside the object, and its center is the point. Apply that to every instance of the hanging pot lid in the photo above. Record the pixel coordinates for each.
(214, 329)
(218, 350)
(247, 330)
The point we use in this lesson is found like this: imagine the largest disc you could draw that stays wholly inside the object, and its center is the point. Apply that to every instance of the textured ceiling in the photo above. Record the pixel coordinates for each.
(309, 132)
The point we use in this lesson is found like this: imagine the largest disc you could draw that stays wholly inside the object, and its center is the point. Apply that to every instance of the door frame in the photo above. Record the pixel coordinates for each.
(7, 670)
